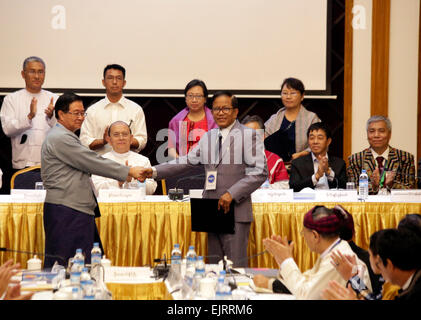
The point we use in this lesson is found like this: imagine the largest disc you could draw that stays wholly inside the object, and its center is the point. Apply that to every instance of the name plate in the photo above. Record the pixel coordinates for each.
(129, 275)
(28, 195)
(121, 195)
(272, 195)
(405, 195)
(336, 196)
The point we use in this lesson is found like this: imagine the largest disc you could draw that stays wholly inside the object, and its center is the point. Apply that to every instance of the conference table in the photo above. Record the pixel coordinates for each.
(136, 233)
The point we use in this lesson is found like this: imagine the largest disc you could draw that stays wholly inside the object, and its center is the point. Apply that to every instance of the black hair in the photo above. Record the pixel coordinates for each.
(319, 126)
(117, 67)
(294, 83)
(254, 118)
(401, 247)
(234, 100)
(412, 222)
(194, 83)
(64, 101)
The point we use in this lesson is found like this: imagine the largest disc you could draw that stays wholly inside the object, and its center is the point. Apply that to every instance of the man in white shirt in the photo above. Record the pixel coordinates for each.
(120, 138)
(114, 107)
(28, 114)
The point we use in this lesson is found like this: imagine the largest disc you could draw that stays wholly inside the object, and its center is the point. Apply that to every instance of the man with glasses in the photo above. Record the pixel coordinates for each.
(66, 166)
(28, 114)
(120, 138)
(235, 164)
(114, 107)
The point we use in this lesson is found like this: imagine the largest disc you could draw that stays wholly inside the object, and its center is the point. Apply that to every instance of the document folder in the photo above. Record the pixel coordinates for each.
(205, 216)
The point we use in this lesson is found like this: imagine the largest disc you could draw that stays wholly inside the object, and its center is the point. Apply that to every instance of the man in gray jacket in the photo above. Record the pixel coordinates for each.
(66, 166)
(233, 172)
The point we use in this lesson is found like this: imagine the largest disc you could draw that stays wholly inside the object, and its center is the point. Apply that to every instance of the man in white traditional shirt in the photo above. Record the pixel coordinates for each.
(28, 114)
(120, 138)
(114, 107)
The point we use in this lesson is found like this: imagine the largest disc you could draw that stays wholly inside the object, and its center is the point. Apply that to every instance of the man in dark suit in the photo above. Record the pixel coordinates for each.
(235, 170)
(318, 170)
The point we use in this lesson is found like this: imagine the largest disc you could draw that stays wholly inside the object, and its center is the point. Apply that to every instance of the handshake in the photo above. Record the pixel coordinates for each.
(140, 173)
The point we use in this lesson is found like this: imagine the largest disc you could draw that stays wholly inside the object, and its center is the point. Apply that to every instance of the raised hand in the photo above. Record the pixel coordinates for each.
(335, 291)
(279, 248)
(32, 109)
(49, 111)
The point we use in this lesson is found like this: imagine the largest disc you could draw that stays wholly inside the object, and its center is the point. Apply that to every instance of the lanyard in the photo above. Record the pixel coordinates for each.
(383, 174)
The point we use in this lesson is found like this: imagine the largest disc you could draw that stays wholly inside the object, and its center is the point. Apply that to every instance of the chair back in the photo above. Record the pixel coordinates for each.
(26, 178)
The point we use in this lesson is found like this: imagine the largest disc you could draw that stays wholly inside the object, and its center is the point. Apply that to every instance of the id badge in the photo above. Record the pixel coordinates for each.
(211, 180)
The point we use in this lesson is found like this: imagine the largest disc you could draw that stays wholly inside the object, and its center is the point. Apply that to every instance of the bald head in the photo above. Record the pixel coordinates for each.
(120, 136)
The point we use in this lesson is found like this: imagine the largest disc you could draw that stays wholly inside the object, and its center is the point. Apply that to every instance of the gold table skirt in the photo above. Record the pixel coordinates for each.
(134, 234)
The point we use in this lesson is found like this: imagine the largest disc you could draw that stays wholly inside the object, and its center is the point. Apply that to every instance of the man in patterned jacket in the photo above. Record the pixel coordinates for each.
(387, 167)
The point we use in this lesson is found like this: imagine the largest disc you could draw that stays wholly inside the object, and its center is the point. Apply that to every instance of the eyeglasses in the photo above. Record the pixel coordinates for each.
(77, 114)
(195, 96)
(34, 72)
(223, 109)
(118, 134)
(292, 94)
(111, 78)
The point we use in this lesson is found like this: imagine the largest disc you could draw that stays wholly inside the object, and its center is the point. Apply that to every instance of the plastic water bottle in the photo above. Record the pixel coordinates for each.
(79, 259)
(75, 274)
(176, 262)
(265, 185)
(89, 290)
(363, 186)
(200, 267)
(76, 293)
(220, 287)
(142, 188)
(191, 259)
(96, 255)
(84, 277)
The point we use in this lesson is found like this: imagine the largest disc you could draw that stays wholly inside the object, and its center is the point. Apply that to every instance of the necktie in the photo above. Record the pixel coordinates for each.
(219, 145)
(380, 164)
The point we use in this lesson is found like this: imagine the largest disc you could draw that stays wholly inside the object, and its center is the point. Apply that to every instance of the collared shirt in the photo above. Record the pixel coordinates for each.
(323, 181)
(385, 156)
(104, 113)
(225, 131)
(26, 135)
(408, 282)
(133, 159)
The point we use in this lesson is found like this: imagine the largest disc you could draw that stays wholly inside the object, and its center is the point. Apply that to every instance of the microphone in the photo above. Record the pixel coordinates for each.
(178, 194)
(2, 249)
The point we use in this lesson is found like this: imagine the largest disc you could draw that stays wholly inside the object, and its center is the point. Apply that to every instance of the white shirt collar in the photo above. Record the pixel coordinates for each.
(119, 102)
(408, 282)
(120, 155)
(225, 131)
(385, 154)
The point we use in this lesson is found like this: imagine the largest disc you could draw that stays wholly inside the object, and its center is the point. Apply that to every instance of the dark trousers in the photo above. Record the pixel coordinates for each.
(234, 246)
(66, 230)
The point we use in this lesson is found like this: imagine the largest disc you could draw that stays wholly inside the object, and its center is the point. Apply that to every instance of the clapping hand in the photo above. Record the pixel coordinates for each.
(279, 248)
(344, 264)
(32, 109)
(335, 291)
(49, 111)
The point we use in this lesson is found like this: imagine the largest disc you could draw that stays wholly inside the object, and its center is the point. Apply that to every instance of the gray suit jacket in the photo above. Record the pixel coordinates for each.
(240, 171)
(66, 166)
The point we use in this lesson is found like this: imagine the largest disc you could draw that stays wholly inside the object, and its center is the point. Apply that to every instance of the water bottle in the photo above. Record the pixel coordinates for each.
(220, 288)
(265, 185)
(200, 267)
(363, 186)
(75, 274)
(89, 290)
(84, 277)
(191, 259)
(142, 188)
(79, 259)
(76, 294)
(175, 271)
(96, 255)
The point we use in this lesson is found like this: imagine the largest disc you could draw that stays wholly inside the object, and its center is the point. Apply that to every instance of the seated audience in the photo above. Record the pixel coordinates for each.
(120, 138)
(7, 271)
(278, 175)
(318, 170)
(356, 288)
(322, 230)
(386, 167)
(189, 125)
(286, 130)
